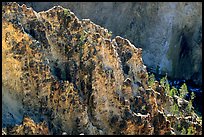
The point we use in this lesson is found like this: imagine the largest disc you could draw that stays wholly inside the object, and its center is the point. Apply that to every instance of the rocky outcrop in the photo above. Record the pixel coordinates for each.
(170, 33)
(28, 127)
(70, 74)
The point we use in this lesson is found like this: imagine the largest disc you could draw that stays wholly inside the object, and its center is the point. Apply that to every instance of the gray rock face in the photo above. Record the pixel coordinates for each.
(170, 34)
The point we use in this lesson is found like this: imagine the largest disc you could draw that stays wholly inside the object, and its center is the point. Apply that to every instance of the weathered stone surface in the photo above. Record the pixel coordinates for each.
(71, 74)
(170, 33)
(28, 127)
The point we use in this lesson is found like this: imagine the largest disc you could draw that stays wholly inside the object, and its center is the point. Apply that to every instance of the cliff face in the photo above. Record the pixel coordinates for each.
(170, 34)
(28, 127)
(70, 74)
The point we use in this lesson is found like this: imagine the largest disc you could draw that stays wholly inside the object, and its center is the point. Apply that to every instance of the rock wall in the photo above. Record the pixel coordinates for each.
(28, 127)
(71, 75)
(170, 33)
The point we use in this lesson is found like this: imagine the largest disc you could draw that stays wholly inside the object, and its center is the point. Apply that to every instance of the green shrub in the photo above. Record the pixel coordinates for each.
(189, 107)
(175, 109)
(183, 91)
(151, 80)
(183, 131)
(192, 96)
(191, 131)
(173, 91)
(66, 12)
(167, 88)
(164, 83)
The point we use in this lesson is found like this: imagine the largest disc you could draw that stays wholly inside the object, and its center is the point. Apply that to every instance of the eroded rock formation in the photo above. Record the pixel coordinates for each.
(28, 127)
(70, 74)
(170, 33)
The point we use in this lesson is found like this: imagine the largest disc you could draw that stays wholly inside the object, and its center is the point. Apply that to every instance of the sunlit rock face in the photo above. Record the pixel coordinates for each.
(170, 33)
(71, 75)
(28, 127)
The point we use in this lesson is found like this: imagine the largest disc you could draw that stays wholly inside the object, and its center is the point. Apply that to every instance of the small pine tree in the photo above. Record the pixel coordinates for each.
(173, 91)
(190, 104)
(175, 109)
(151, 80)
(183, 91)
(189, 107)
(164, 83)
(167, 88)
(192, 96)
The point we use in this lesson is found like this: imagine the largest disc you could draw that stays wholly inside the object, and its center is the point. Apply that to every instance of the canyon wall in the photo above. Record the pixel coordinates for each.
(170, 33)
(69, 75)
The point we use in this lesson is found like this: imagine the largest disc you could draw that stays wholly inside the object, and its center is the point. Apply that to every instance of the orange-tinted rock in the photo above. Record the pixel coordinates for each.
(72, 73)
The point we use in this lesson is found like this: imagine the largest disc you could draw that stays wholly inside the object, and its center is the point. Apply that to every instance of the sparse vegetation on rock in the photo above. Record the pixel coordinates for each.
(71, 75)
